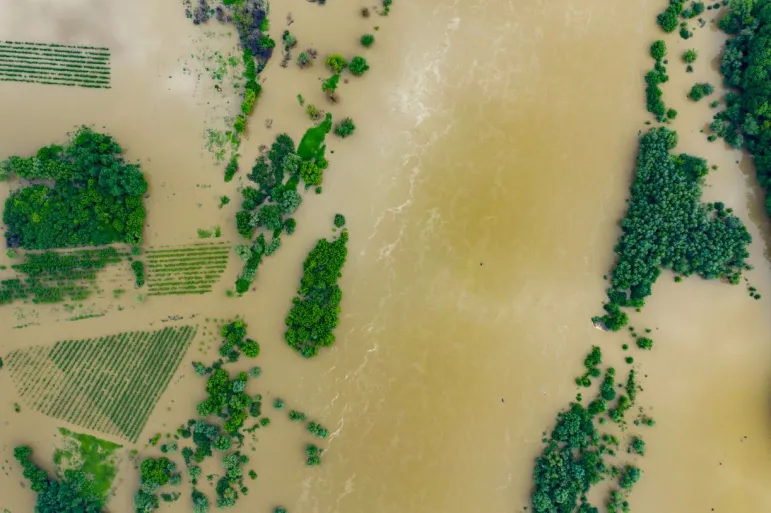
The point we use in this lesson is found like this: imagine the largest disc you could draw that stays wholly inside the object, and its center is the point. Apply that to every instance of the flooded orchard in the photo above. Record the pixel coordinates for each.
(483, 189)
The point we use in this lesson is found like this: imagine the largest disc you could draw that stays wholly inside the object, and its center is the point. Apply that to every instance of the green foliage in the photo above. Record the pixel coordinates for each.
(96, 197)
(315, 428)
(358, 66)
(336, 63)
(188, 269)
(304, 60)
(591, 363)
(658, 50)
(312, 144)
(629, 477)
(667, 226)
(315, 312)
(645, 343)
(668, 20)
(200, 502)
(138, 268)
(118, 400)
(690, 55)
(655, 77)
(367, 40)
(345, 128)
(699, 91)
(224, 200)
(637, 446)
(73, 494)
(313, 454)
(339, 220)
(745, 65)
(296, 416)
(278, 403)
(329, 85)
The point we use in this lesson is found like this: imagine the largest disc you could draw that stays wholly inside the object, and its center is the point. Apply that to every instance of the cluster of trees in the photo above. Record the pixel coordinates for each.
(700, 90)
(154, 473)
(74, 494)
(269, 205)
(669, 19)
(138, 268)
(667, 226)
(746, 66)
(315, 312)
(95, 199)
(592, 365)
(336, 63)
(655, 77)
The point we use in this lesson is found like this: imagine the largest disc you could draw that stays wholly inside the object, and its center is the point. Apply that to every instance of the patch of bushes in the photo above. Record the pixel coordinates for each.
(690, 56)
(668, 20)
(367, 40)
(358, 66)
(655, 77)
(138, 267)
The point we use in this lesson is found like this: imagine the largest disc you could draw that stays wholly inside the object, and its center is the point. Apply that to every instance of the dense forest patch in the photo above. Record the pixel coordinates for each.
(668, 227)
(108, 384)
(80, 194)
(746, 67)
(315, 311)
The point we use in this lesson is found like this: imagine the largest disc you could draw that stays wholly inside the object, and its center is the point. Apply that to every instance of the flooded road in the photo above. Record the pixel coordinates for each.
(483, 189)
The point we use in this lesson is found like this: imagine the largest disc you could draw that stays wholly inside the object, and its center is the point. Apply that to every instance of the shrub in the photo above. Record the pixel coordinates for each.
(645, 343)
(685, 33)
(138, 268)
(304, 60)
(312, 112)
(367, 40)
(336, 63)
(699, 91)
(358, 66)
(339, 220)
(240, 124)
(329, 85)
(690, 55)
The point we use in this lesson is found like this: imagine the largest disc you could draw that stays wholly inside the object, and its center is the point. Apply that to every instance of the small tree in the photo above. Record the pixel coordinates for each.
(690, 55)
(658, 50)
(336, 63)
(358, 66)
(367, 40)
(345, 128)
(329, 86)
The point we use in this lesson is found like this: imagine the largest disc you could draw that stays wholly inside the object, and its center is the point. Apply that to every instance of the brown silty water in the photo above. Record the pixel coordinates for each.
(483, 188)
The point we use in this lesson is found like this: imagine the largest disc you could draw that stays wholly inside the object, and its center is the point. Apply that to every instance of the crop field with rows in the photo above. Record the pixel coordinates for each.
(52, 277)
(109, 384)
(54, 64)
(191, 269)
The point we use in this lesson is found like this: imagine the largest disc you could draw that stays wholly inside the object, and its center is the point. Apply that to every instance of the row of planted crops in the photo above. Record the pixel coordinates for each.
(191, 269)
(109, 384)
(55, 64)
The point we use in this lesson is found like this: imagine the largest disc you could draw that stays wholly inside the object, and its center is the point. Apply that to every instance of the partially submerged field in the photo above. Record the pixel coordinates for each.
(481, 189)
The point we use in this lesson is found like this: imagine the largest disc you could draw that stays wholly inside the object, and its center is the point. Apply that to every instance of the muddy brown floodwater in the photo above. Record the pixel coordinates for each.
(483, 191)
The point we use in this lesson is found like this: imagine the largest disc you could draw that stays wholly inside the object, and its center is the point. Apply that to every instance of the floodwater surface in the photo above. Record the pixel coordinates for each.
(483, 189)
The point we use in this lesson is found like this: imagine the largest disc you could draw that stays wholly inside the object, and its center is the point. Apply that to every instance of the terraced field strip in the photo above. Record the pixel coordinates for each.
(109, 384)
(55, 64)
(191, 269)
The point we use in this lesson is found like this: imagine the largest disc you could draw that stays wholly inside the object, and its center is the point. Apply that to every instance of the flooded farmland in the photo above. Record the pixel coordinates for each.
(483, 191)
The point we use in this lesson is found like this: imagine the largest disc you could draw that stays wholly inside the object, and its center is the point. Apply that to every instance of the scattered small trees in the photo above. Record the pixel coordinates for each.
(668, 20)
